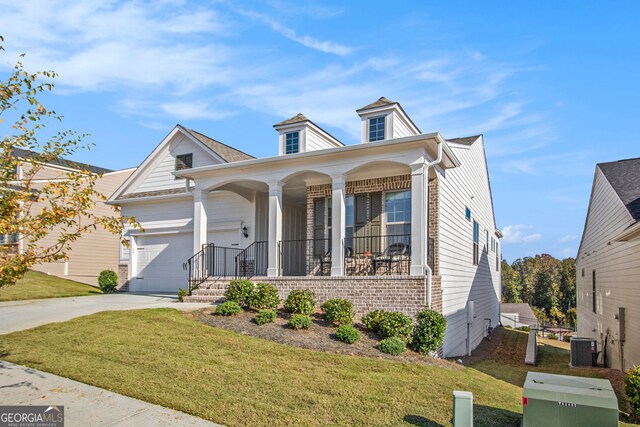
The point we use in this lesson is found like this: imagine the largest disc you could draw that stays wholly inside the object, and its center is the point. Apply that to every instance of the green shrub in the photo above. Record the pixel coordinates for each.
(299, 321)
(264, 296)
(228, 308)
(300, 301)
(632, 389)
(428, 334)
(372, 320)
(239, 291)
(108, 280)
(507, 327)
(552, 336)
(348, 334)
(566, 338)
(338, 311)
(265, 316)
(181, 294)
(524, 329)
(395, 324)
(393, 346)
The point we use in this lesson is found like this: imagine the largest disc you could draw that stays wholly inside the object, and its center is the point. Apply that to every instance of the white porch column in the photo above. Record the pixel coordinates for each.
(418, 219)
(199, 219)
(337, 225)
(275, 227)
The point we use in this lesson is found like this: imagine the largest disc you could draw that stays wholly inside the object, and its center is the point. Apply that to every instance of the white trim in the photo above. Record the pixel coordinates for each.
(326, 152)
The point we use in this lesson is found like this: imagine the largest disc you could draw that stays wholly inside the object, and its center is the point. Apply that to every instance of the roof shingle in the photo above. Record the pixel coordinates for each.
(228, 154)
(379, 103)
(22, 153)
(298, 118)
(624, 177)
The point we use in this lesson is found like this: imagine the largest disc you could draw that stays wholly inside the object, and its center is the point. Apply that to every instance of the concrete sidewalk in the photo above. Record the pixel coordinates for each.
(84, 405)
(20, 315)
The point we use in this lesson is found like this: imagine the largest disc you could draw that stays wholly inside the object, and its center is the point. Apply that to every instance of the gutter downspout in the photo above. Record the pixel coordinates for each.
(426, 186)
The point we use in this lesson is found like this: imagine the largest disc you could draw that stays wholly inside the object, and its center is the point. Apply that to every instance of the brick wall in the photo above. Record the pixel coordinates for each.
(436, 293)
(395, 293)
(123, 277)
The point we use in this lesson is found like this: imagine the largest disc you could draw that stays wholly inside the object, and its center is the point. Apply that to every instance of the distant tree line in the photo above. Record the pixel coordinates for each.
(546, 283)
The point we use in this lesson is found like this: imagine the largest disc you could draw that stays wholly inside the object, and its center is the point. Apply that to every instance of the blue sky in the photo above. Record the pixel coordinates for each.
(552, 86)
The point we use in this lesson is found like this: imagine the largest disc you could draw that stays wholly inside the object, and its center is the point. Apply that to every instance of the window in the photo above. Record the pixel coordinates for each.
(376, 129)
(497, 258)
(184, 161)
(476, 243)
(125, 251)
(398, 212)
(291, 143)
(349, 216)
(487, 236)
(467, 213)
(593, 297)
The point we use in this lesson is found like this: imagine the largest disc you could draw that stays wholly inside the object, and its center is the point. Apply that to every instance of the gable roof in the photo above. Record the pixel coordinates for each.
(22, 153)
(624, 177)
(227, 153)
(382, 101)
(298, 118)
(524, 311)
(467, 140)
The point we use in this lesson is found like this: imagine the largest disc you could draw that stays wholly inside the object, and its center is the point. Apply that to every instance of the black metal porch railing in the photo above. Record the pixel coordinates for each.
(377, 255)
(305, 257)
(253, 260)
(219, 261)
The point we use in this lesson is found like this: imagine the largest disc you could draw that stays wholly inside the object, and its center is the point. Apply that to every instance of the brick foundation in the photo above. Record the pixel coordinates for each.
(395, 293)
(436, 293)
(123, 277)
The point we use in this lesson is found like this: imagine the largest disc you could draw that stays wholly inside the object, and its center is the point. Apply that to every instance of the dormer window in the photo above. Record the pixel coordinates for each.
(376, 129)
(184, 161)
(292, 143)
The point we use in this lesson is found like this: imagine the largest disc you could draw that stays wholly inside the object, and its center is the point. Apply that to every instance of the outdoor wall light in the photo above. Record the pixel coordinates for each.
(245, 231)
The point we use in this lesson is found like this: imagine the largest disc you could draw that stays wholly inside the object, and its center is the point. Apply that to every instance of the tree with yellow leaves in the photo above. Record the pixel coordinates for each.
(32, 210)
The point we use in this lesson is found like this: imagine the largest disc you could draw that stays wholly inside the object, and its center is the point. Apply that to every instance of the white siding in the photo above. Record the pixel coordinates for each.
(467, 185)
(617, 266)
(400, 127)
(160, 177)
(316, 141)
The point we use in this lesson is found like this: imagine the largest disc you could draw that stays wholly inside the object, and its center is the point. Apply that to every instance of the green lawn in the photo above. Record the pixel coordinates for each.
(36, 285)
(164, 357)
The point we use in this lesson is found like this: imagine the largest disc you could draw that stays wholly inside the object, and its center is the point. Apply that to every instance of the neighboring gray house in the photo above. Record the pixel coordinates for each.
(517, 315)
(608, 264)
(401, 220)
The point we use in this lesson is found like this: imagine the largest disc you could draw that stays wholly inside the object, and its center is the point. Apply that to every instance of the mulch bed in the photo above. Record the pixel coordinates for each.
(485, 350)
(321, 336)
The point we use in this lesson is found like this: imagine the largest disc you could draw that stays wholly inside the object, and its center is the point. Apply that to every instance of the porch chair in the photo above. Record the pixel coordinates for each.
(395, 253)
(326, 259)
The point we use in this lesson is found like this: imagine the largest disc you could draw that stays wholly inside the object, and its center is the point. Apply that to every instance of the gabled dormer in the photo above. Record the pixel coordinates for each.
(385, 119)
(299, 134)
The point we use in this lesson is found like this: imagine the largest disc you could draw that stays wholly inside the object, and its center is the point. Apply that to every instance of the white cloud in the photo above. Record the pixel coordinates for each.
(325, 46)
(519, 233)
(568, 238)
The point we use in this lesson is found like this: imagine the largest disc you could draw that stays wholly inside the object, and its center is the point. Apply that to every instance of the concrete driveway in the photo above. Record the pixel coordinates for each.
(20, 315)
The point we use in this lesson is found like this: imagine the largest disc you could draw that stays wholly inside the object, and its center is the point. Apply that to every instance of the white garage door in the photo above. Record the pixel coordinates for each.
(159, 262)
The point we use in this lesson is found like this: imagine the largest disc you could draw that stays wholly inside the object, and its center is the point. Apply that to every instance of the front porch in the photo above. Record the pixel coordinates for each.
(359, 211)
(369, 207)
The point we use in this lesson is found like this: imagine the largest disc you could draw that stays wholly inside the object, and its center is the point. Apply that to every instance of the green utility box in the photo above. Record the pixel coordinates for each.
(566, 401)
